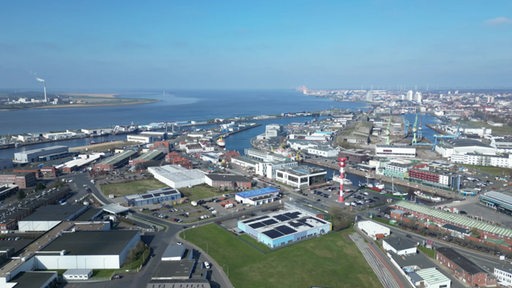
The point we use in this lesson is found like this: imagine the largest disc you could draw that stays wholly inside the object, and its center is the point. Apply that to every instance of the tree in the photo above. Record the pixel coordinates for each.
(20, 194)
(341, 218)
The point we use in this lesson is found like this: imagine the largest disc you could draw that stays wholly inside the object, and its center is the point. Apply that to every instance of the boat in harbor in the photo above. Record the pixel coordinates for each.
(376, 186)
(221, 143)
(336, 178)
(427, 197)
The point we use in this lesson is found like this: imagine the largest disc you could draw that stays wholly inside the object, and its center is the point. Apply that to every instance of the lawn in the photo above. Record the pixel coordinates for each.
(332, 260)
(131, 187)
(201, 191)
(495, 171)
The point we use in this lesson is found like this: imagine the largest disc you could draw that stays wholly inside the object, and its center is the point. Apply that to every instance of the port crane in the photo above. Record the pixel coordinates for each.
(437, 137)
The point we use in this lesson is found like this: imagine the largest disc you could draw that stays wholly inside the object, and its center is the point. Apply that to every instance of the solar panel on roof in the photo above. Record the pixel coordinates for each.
(282, 217)
(285, 229)
(273, 233)
(255, 219)
(269, 222)
(295, 224)
(147, 196)
(293, 215)
(303, 221)
(256, 225)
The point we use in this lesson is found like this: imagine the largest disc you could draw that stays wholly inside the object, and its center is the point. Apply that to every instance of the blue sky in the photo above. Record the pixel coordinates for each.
(256, 44)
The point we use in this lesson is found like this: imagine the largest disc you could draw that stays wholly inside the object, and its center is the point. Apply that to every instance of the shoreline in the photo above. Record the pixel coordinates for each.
(87, 105)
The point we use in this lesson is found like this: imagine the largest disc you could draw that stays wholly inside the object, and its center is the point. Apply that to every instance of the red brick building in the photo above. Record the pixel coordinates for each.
(232, 182)
(22, 180)
(464, 269)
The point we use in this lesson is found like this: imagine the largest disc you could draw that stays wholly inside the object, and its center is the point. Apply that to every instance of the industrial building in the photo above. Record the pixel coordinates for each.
(431, 278)
(497, 200)
(176, 176)
(41, 154)
(47, 217)
(79, 162)
(147, 157)
(34, 279)
(116, 161)
(463, 268)
(244, 162)
(228, 181)
(284, 227)
(173, 252)
(143, 139)
(323, 151)
(399, 246)
(503, 274)
(392, 151)
(373, 229)
(301, 176)
(88, 250)
(463, 146)
(154, 197)
(22, 180)
(257, 196)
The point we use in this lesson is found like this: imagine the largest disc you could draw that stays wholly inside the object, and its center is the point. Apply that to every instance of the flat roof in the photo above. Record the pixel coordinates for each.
(257, 192)
(284, 222)
(176, 173)
(228, 177)
(90, 214)
(174, 250)
(432, 276)
(77, 271)
(303, 170)
(33, 279)
(400, 243)
(110, 242)
(460, 260)
(189, 283)
(115, 208)
(56, 213)
(169, 270)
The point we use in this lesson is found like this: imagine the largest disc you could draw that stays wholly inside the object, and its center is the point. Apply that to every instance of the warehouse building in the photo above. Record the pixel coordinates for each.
(41, 154)
(392, 151)
(400, 246)
(497, 200)
(373, 229)
(431, 278)
(114, 162)
(173, 252)
(301, 176)
(88, 250)
(79, 162)
(31, 279)
(257, 196)
(143, 139)
(176, 176)
(284, 227)
(147, 157)
(47, 217)
(154, 197)
(228, 181)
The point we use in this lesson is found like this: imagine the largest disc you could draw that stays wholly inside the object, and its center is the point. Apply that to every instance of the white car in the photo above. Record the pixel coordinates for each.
(207, 265)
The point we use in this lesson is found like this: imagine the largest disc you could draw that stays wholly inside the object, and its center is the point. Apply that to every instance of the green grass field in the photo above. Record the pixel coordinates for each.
(201, 192)
(328, 261)
(131, 187)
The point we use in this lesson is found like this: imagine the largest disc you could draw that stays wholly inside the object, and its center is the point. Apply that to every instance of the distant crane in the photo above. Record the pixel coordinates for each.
(406, 127)
(414, 129)
(388, 131)
(448, 136)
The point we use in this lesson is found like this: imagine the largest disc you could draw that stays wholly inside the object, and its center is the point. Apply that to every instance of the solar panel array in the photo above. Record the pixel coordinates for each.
(279, 231)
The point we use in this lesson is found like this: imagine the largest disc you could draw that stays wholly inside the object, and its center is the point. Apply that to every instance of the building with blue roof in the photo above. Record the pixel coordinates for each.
(257, 196)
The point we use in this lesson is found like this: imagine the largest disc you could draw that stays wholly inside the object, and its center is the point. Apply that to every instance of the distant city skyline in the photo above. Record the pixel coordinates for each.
(256, 44)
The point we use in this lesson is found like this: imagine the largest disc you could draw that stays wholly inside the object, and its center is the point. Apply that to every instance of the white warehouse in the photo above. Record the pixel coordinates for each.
(176, 176)
(373, 229)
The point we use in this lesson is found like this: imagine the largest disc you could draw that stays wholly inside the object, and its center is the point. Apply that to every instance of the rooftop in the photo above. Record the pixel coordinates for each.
(149, 155)
(432, 276)
(56, 213)
(258, 192)
(33, 279)
(174, 250)
(118, 157)
(228, 177)
(400, 243)
(460, 260)
(92, 242)
(173, 270)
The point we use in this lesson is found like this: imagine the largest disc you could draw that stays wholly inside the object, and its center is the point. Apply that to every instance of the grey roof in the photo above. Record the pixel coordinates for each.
(466, 142)
(91, 214)
(33, 279)
(417, 259)
(400, 243)
(119, 157)
(56, 213)
(463, 262)
(92, 242)
(456, 228)
(115, 208)
(169, 270)
(227, 177)
(174, 250)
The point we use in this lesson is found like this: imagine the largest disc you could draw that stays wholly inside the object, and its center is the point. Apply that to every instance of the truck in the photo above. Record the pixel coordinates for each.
(193, 203)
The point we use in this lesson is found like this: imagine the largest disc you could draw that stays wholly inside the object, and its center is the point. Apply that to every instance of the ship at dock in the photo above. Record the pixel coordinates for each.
(427, 197)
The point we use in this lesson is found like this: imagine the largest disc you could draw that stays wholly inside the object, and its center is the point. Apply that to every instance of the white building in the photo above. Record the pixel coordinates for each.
(144, 139)
(503, 275)
(432, 278)
(323, 151)
(88, 250)
(176, 176)
(392, 151)
(77, 274)
(272, 130)
(399, 246)
(47, 217)
(463, 146)
(483, 160)
(300, 176)
(258, 196)
(40, 154)
(373, 229)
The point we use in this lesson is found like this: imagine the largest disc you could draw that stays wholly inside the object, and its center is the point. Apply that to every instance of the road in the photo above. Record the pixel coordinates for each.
(158, 242)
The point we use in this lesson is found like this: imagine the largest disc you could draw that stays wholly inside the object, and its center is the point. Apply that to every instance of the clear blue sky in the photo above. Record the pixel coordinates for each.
(256, 44)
